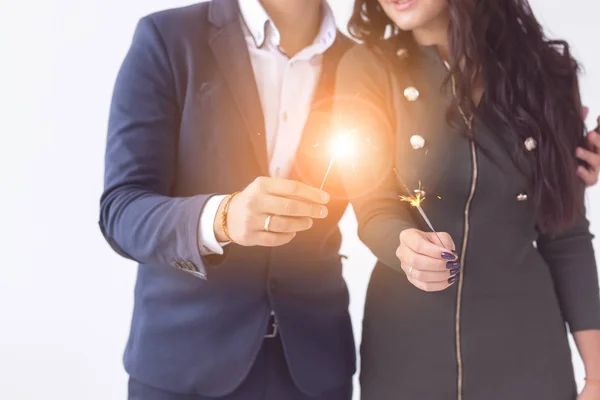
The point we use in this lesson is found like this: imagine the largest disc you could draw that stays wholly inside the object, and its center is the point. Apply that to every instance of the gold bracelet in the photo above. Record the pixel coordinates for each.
(224, 217)
(592, 382)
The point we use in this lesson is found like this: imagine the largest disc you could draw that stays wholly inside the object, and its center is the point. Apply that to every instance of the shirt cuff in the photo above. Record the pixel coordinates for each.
(207, 242)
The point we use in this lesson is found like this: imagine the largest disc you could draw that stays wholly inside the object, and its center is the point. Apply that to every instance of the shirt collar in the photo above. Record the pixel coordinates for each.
(260, 25)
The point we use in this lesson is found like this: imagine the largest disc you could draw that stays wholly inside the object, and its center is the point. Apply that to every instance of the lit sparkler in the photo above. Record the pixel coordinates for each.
(415, 201)
(342, 145)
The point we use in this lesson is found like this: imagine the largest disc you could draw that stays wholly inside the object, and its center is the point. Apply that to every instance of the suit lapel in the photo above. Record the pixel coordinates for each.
(231, 53)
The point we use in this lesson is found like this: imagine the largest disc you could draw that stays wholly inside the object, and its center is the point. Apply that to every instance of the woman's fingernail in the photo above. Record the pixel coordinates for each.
(448, 256)
(453, 279)
(454, 272)
(325, 197)
(323, 212)
(452, 264)
(454, 252)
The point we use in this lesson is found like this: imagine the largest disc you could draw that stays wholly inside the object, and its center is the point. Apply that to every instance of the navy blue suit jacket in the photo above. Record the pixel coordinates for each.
(185, 124)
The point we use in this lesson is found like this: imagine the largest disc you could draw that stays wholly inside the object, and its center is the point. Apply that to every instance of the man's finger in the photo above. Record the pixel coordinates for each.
(590, 178)
(296, 190)
(280, 224)
(590, 157)
(292, 208)
(594, 140)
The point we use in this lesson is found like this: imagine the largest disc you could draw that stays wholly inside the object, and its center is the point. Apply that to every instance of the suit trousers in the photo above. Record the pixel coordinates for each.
(269, 379)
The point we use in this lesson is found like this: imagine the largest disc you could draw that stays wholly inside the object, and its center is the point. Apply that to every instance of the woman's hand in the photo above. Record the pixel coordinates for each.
(428, 266)
(590, 392)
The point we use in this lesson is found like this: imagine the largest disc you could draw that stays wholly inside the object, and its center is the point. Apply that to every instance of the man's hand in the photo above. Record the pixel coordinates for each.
(591, 156)
(292, 206)
(590, 392)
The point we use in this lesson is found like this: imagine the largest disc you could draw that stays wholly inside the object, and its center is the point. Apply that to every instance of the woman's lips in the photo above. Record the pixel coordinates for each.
(402, 5)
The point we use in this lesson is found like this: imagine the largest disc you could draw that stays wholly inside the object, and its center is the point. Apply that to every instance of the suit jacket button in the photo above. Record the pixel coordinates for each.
(191, 266)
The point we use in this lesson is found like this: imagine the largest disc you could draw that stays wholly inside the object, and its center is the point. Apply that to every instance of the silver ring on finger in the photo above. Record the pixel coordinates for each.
(268, 223)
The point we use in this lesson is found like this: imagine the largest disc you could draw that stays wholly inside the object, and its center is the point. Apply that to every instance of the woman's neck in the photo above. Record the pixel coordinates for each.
(435, 33)
(298, 22)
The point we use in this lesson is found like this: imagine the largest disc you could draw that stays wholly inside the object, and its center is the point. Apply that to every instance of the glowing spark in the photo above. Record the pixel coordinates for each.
(416, 201)
(342, 146)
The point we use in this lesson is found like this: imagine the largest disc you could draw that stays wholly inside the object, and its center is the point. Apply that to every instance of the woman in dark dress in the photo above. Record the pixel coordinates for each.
(475, 110)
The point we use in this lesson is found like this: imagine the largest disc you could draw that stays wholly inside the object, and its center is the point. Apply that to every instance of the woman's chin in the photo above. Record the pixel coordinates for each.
(406, 24)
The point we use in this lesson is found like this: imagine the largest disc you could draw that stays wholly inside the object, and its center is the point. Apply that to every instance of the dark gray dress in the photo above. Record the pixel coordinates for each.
(500, 332)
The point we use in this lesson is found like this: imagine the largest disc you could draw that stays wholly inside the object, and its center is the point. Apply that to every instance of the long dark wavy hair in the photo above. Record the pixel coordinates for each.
(530, 85)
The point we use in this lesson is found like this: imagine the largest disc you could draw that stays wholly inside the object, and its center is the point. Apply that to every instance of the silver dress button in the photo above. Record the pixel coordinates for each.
(530, 144)
(521, 197)
(411, 93)
(417, 142)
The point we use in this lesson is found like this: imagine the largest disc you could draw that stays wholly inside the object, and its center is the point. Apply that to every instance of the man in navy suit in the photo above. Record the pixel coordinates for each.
(212, 168)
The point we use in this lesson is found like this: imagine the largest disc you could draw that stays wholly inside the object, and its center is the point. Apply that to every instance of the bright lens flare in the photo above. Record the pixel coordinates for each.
(343, 145)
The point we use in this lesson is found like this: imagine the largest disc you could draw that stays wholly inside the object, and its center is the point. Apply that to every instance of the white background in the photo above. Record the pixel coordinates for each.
(65, 298)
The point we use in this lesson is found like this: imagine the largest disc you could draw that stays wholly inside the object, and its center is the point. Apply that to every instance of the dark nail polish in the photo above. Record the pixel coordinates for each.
(453, 279)
(452, 264)
(454, 272)
(448, 256)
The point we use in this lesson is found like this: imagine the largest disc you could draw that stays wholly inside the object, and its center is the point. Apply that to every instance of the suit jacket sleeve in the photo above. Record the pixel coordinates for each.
(138, 217)
(570, 256)
(363, 102)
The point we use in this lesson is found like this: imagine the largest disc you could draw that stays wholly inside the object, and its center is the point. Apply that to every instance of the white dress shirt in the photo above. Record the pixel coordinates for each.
(286, 87)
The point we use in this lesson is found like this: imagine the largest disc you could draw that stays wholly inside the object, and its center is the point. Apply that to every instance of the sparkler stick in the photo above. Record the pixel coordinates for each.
(415, 201)
(328, 170)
